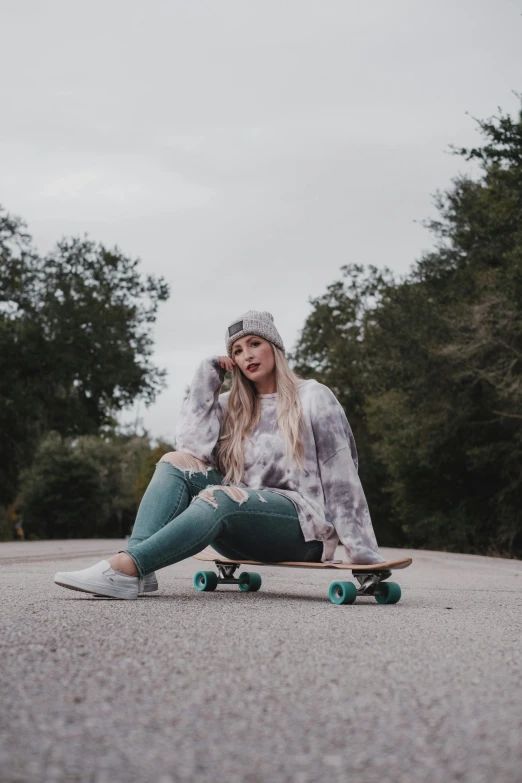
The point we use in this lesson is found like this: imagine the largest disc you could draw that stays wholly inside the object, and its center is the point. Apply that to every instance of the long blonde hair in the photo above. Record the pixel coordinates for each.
(243, 413)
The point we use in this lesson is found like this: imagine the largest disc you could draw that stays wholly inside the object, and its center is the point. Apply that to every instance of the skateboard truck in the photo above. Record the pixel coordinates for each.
(368, 581)
(226, 574)
(209, 580)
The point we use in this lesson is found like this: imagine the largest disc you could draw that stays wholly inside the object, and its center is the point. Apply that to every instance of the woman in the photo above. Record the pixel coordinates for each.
(267, 471)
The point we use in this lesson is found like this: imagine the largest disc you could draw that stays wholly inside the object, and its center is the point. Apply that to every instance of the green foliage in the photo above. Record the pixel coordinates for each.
(429, 368)
(75, 342)
(6, 528)
(85, 487)
(63, 494)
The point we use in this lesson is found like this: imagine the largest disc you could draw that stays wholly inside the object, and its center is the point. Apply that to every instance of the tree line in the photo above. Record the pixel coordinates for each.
(75, 350)
(428, 368)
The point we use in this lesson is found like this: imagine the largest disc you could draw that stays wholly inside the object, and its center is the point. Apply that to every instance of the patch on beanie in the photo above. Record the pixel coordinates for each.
(235, 328)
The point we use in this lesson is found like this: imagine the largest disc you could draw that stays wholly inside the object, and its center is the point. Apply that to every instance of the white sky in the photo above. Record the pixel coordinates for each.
(244, 149)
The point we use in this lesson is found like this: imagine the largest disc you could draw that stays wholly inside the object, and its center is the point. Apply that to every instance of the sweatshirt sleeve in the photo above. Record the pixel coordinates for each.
(345, 503)
(200, 421)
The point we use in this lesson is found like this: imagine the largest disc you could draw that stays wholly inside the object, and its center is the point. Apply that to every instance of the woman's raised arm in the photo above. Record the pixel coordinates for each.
(199, 423)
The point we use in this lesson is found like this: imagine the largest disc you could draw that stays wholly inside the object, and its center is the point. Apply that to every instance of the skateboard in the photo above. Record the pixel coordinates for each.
(371, 579)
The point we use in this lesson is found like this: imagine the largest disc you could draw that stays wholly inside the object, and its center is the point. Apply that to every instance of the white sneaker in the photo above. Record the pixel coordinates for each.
(149, 584)
(100, 579)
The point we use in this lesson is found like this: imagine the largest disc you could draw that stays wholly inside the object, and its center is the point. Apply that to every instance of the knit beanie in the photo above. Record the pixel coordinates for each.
(258, 322)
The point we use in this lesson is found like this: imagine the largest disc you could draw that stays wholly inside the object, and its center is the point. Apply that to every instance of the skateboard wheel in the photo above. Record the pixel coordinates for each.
(205, 581)
(249, 582)
(342, 592)
(387, 593)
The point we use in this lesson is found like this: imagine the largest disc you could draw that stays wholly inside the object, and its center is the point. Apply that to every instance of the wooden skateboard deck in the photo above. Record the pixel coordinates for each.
(371, 578)
(210, 555)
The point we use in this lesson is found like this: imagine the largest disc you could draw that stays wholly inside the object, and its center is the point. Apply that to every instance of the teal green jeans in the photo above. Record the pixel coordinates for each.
(181, 513)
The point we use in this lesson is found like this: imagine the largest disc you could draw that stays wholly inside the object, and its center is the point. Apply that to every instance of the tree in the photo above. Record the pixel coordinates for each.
(75, 341)
(85, 487)
(63, 496)
(433, 364)
(19, 344)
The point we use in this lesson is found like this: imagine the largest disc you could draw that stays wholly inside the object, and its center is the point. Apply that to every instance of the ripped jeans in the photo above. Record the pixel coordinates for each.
(239, 523)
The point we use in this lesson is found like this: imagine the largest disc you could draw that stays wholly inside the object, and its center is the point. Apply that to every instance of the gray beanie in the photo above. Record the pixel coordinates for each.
(258, 322)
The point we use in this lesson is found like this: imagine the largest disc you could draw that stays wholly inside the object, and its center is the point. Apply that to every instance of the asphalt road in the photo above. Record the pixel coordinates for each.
(271, 687)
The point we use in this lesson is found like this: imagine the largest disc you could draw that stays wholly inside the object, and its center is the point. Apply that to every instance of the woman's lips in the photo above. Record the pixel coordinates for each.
(252, 367)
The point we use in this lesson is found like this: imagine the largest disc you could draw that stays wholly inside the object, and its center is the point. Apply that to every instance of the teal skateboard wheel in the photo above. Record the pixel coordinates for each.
(205, 581)
(387, 593)
(249, 582)
(342, 592)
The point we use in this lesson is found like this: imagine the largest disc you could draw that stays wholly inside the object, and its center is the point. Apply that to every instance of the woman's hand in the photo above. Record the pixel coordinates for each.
(226, 362)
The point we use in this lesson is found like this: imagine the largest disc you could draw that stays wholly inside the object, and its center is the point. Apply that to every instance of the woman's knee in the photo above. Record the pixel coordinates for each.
(184, 462)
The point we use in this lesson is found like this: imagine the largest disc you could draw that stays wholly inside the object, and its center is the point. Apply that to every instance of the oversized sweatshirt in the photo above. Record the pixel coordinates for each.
(326, 493)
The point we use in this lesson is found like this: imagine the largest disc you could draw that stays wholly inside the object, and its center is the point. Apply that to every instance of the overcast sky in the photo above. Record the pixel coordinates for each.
(244, 149)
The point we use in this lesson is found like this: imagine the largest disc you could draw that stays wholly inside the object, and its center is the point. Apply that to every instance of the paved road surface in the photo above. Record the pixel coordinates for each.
(272, 687)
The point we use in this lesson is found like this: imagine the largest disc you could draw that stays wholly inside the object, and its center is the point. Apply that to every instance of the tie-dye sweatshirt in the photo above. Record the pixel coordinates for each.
(327, 493)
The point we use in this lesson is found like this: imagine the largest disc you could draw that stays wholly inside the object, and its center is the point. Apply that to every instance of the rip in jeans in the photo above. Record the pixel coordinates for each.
(234, 493)
(186, 463)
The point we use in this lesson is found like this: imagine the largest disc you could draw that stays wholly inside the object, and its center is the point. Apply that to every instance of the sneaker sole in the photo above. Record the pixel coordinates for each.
(104, 593)
(140, 595)
(152, 588)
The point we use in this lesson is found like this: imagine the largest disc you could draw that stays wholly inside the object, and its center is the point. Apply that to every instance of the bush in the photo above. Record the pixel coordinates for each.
(86, 487)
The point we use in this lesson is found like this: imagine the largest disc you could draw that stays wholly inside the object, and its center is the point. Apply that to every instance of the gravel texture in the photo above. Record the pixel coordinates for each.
(271, 687)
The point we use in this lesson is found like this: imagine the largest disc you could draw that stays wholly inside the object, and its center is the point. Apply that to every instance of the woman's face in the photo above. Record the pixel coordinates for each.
(254, 357)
